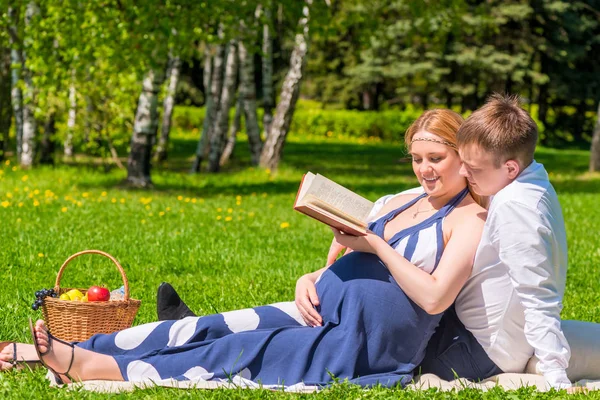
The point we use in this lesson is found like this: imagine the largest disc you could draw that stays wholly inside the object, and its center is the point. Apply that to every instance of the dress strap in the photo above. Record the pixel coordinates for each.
(378, 225)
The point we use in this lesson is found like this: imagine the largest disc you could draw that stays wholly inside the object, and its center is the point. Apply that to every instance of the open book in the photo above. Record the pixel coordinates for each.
(333, 204)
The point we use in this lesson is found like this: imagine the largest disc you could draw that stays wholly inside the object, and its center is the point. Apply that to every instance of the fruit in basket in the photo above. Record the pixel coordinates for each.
(40, 295)
(75, 295)
(97, 293)
(65, 296)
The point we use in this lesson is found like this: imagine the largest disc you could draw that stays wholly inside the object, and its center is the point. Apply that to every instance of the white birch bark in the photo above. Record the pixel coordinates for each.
(29, 122)
(168, 105)
(595, 150)
(16, 92)
(248, 94)
(273, 148)
(71, 119)
(144, 130)
(234, 128)
(219, 135)
(5, 99)
(267, 72)
(213, 95)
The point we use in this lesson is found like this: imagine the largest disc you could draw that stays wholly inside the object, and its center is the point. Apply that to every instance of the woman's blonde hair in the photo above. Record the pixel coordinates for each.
(443, 123)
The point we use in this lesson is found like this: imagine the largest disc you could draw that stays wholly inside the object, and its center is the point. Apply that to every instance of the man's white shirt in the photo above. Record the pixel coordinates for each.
(513, 298)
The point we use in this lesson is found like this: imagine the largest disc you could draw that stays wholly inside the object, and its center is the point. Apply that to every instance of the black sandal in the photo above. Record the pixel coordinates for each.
(15, 362)
(41, 355)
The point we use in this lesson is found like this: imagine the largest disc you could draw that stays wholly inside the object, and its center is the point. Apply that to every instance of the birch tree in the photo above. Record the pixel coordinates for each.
(16, 94)
(248, 95)
(168, 105)
(267, 70)
(29, 123)
(144, 130)
(273, 148)
(71, 119)
(215, 83)
(219, 134)
(595, 150)
(233, 131)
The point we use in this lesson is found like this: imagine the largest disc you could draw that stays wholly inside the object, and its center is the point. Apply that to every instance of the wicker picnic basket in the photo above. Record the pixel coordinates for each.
(77, 321)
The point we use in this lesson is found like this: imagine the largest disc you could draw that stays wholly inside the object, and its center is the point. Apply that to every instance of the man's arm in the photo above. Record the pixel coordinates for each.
(527, 247)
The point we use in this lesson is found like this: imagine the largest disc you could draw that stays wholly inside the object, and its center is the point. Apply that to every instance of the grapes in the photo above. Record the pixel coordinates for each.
(40, 295)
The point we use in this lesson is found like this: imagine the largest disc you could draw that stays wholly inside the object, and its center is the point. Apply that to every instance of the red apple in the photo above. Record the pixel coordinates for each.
(97, 293)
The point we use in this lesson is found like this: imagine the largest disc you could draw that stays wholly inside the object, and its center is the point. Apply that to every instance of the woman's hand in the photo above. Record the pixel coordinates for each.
(334, 250)
(307, 299)
(367, 243)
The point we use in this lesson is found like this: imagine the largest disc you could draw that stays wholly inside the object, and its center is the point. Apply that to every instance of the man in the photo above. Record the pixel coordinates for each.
(510, 307)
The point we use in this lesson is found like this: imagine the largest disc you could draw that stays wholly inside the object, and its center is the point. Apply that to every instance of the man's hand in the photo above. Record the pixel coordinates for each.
(307, 299)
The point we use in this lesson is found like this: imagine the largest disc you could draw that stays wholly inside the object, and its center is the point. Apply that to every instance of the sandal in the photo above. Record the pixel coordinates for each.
(51, 339)
(15, 362)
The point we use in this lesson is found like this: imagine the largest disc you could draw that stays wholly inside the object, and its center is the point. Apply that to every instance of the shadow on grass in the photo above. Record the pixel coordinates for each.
(343, 162)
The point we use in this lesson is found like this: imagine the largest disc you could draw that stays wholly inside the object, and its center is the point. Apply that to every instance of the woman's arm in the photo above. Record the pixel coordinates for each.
(432, 292)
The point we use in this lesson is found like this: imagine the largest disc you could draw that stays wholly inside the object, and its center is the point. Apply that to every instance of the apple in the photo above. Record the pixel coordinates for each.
(97, 293)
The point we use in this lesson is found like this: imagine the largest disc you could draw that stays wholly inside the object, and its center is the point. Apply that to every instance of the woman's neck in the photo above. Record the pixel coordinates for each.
(442, 199)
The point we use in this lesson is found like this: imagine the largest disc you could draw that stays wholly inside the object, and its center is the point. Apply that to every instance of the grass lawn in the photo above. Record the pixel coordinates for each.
(227, 240)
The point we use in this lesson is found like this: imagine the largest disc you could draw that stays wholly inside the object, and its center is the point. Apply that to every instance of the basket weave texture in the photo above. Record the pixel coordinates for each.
(76, 321)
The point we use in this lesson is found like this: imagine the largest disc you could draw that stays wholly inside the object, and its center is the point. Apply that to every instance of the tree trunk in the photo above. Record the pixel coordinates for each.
(16, 94)
(72, 116)
(47, 144)
(219, 135)
(215, 83)
(29, 122)
(5, 99)
(595, 150)
(168, 105)
(271, 153)
(144, 131)
(267, 72)
(233, 130)
(248, 94)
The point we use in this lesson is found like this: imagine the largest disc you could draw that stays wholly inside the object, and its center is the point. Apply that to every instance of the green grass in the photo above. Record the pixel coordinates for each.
(174, 234)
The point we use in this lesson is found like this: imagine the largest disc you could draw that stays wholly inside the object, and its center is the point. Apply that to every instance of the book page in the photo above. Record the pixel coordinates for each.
(337, 196)
(306, 182)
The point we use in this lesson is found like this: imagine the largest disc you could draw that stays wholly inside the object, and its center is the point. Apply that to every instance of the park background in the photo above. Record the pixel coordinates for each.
(173, 135)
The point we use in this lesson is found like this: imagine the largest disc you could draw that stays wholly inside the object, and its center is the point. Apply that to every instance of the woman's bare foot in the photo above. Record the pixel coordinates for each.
(26, 356)
(56, 355)
(78, 363)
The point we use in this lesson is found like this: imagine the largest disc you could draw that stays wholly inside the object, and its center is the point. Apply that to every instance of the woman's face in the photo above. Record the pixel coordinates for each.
(435, 165)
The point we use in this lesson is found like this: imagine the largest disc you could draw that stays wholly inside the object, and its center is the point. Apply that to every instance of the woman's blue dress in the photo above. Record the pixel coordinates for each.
(372, 332)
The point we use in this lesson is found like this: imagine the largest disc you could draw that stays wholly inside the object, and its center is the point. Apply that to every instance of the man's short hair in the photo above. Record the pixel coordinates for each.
(502, 128)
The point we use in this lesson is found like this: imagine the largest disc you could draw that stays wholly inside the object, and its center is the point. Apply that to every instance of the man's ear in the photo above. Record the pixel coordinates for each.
(513, 169)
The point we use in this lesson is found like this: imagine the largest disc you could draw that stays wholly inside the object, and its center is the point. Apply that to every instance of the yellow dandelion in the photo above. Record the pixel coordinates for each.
(113, 200)
(5, 204)
(40, 254)
(228, 218)
(18, 219)
(16, 190)
(36, 191)
(122, 201)
(7, 162)
(168, 209)
(268, 171)
(103, 194)
(64, 209)
(36, 203)
(219, 209)
(264, 194)
(179, 198)
(230, 210)
(160, 214)
(143, 221)
(79, 204)
(187, 199)
(238, 203)
(150, 214)
(219, 217)
(14, 169)
(238, 198)
(30, 195)
(85, 195)
(239, 218)
(251, 214)
(9, 195)
(21, 204)
(147, 207)
(24, 178)
(181, 211)
(284, 225)
(270, 205)
(194, 200)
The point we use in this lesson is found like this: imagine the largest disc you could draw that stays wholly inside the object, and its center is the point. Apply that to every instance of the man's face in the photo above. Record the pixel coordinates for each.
(480, 169)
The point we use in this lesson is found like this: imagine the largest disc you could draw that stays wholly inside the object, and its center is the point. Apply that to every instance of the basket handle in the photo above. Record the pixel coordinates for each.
(114, 260)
